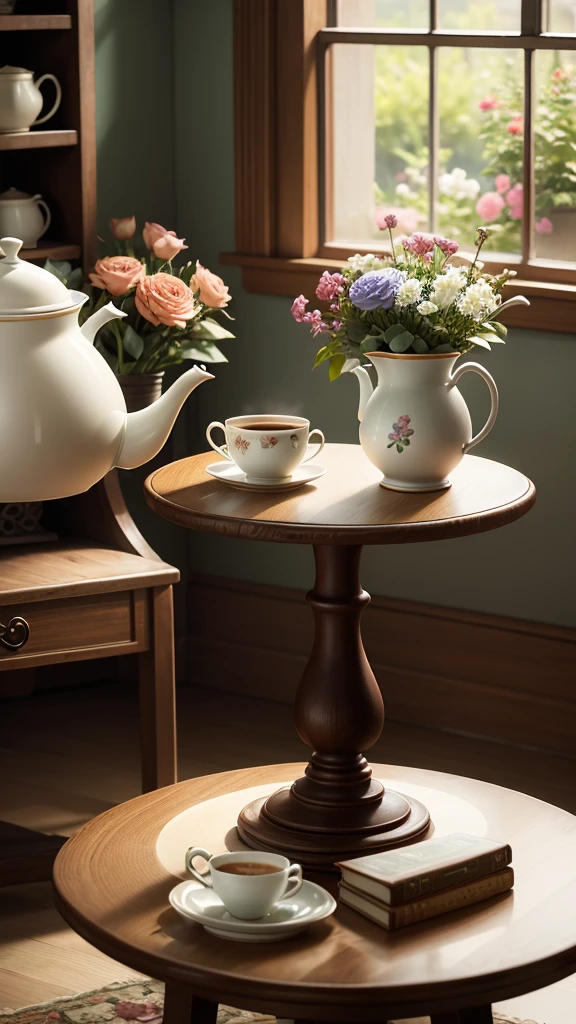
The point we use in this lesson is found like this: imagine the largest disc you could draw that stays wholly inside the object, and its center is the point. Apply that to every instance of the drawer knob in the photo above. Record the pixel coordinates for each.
(15, 634)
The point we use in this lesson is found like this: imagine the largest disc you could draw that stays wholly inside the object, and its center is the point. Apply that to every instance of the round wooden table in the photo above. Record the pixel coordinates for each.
(338, 809)
(113, 877)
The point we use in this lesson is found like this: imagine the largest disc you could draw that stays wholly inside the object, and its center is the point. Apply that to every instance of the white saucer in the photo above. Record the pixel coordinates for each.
(229, 473)
(287, 918)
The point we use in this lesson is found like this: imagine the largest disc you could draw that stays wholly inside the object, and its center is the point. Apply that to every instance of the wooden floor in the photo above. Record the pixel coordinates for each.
(67, 756)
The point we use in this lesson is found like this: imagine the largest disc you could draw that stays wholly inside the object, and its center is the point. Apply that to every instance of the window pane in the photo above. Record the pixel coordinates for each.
(480, 98)
(555, 155)
(379, 139)
(480, 15)
(384, 13)
(561, 16)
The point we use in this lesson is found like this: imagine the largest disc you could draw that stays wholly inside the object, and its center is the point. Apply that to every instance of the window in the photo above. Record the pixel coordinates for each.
(453, 113)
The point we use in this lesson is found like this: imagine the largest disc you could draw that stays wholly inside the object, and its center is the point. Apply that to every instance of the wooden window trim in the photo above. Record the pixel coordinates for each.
(276, 167)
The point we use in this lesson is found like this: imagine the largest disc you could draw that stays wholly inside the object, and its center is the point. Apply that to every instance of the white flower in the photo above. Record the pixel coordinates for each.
(368, 262)
(457, 184)
(447, 286)
(478, 300)
(409, 292)
(427, 307)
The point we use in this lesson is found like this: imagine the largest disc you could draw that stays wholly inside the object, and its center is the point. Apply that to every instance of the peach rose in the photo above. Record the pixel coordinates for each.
(213, 291)
(152, 232)
(117, 274)
(123, 228)
(168, 246)
(165, 299)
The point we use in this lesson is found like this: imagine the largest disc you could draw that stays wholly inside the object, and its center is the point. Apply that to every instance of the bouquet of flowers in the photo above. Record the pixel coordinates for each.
(170, 311)
(414, 299)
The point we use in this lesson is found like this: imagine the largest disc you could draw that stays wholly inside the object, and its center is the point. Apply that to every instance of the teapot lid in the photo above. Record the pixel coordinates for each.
(26, 289)
(9, 70)
(14, 193)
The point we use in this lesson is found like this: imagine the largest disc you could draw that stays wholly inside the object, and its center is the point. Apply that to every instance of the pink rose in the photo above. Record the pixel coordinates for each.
(152, 232)
(502, 183)
(489, 103)
(117, 274)
(298, 308)
(544, 226)
(330, 286)
(165, 299)
(516, 125)
(123, 228)
(489, 206)
(213, 291)
(168, 246)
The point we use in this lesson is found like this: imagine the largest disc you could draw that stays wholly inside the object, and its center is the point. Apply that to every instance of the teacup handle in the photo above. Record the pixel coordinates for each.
(294, 881)
(217, 448)
(320, 446)
(198, 851)
(38, 83)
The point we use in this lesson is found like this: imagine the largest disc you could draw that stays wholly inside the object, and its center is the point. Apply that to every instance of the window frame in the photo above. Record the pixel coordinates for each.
(281, 51)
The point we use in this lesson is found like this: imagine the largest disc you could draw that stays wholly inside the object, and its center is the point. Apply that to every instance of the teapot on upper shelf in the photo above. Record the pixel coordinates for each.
(21, 100)
(63, 419)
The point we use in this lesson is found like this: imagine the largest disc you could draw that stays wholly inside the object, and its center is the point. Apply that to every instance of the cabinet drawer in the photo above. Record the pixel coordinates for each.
(78, 628)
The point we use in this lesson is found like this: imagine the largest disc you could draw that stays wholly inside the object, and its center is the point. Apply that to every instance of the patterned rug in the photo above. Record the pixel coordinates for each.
(142, 1001)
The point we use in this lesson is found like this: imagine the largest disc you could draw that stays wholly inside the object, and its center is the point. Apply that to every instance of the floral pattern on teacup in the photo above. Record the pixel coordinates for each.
(268, 441)
(401, 433)
(294, 440)
(241, 444)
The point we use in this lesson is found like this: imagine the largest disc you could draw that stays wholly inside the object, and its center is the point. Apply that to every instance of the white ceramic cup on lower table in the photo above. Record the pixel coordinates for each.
(246, 894)
(267, 448)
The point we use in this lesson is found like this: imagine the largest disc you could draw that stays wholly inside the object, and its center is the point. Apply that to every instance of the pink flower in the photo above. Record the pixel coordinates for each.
(544, 226)
(137, 1011)
(298, 308)
(213, 291)
(334, 307)
(560, 74)
(489, 206)
(117, 274)
(152, 232)
(489, 103)
(400, 175)
(502, 183)
(330, 286)
(516, 125)
(336, 325)
(123, 228)
(167, 246)
(516, 212)
(448, 246)
(386, 220)
(314, 318)
(514, 198)
(165, 299)
(419, 244)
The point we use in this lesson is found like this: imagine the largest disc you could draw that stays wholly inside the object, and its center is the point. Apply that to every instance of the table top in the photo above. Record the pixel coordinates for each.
(113, 878)
(346, 506)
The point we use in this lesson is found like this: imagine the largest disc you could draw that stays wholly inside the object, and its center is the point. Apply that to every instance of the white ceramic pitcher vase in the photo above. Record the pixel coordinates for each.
(415, 425)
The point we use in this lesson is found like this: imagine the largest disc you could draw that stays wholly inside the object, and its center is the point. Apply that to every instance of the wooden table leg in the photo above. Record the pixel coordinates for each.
(337, 809)
(158, 695)
(181, 1006)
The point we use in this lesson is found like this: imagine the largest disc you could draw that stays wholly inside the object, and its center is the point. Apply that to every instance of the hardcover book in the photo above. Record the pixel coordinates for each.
(421, 869)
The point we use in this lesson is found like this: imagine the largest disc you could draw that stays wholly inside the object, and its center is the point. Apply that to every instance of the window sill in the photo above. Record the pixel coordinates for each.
(552, 306)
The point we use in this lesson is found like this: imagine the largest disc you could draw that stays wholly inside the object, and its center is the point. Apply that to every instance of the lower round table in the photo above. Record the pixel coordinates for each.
(338, 809)
(113, 877)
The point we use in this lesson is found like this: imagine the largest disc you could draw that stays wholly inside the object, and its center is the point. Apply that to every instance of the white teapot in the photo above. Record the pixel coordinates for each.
(63, 417)
(24, 216)
(21, 100)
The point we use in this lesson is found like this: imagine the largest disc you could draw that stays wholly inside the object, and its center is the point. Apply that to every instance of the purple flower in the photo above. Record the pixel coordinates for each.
(376, 289)
(298, 309)
(330, 286)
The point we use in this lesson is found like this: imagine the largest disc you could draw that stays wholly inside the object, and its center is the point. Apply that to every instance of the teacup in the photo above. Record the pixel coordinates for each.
(267, 448)
(248, 883)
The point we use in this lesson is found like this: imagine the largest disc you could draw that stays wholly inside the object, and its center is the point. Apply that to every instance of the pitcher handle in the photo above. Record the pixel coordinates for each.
(52, 78)
(217, 448)
(494, 400)
(321, 444)
(47, 214)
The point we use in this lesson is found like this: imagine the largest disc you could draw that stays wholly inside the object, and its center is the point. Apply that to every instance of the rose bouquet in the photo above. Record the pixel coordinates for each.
(170, 310)
(415, 299)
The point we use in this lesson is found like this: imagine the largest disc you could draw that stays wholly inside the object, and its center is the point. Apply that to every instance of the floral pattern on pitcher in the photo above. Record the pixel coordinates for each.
(401, 434)
(268, 441)
(241, 444)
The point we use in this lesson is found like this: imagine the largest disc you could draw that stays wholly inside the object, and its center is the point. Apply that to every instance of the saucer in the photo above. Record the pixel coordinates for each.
(229, 473)
(287, 917)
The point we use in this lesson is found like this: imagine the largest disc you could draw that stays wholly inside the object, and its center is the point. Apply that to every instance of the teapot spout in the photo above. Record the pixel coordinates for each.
(98, 319)
(148, 429)
(366, 389)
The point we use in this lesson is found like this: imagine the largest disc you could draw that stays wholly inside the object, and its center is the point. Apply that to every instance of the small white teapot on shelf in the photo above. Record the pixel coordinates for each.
(24, 216)
(62, 412)
(21, 100)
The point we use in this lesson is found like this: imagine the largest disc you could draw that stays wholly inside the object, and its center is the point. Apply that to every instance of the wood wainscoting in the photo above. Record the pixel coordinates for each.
(500, 678)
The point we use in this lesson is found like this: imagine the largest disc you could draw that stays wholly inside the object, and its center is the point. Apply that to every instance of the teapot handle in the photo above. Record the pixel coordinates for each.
(494, 400)
(40, 202)
(44, 78)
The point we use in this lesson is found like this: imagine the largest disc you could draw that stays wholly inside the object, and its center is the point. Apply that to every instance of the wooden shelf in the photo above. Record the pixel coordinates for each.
(52, 250)
(39, 140)
(33, 22)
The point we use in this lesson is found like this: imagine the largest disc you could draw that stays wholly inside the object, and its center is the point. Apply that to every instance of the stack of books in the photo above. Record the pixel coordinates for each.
(414, 883)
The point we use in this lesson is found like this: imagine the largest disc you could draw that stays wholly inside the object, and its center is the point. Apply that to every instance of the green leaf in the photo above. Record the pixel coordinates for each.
(420, 346)
(401, 342)
(444, 348)
(356, 332)
(393, 331)
(500, 329)
(406, 441)
(60, 268)
(75, 279)
(132, 343)
(399, 448)
(439, 258)
(187, 272)
(370, 343)
(207, 352)
(209, 330)
(322, 355)
(336, 364)
(480, 341)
